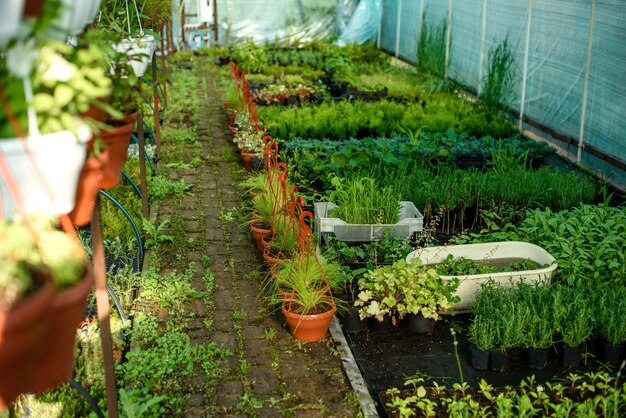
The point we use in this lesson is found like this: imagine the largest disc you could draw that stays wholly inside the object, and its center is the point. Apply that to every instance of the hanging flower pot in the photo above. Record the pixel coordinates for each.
(139, 51)
(55, 363)
(47, 184)
(311, 327)
(21, 338)
(87, 190)
(117, 141)
(75, 15)
(10, 18)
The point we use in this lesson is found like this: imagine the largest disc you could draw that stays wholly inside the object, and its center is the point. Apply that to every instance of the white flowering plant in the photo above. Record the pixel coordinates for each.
(405, 288)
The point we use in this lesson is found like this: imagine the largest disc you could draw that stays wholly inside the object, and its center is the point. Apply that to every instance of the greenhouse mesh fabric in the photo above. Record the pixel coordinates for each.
(559, 35)
(261, 21)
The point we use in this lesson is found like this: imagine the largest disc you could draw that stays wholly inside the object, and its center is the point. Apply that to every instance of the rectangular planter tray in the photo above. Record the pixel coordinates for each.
(411, 222)
(470, 284)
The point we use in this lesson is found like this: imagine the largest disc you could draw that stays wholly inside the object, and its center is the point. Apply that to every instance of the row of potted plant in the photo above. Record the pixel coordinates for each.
(64, 131)
(536, 317)
(591, 394)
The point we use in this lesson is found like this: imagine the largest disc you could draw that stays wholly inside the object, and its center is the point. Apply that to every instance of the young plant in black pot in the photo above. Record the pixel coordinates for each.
(482, 335)
(611, 320)
(573, 320)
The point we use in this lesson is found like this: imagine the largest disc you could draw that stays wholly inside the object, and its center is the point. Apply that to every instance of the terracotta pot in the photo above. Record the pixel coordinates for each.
(22, 330)
(117, 141)
(33, 8)
(247, 158)
(308, 328)
(270, 260)
(56, 362)
(259, 234)
(87, 190)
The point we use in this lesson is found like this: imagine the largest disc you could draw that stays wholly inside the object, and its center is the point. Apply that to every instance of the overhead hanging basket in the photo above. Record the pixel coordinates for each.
(76, 14)
(59, 158)
(139, 52)
(10, 19)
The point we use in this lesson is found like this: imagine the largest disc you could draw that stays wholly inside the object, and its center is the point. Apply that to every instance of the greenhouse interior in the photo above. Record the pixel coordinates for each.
(312, 208)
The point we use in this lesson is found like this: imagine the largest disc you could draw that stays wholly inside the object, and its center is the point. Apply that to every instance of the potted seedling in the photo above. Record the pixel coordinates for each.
(611, 320)
(306, 297)
(43, 292)
(404, 288)
(573, 319)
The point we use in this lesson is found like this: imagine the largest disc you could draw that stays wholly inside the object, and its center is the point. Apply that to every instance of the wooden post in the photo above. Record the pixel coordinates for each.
(215, 30)
(102, 303)
(155, 101)
(163, 69)
(448, 38)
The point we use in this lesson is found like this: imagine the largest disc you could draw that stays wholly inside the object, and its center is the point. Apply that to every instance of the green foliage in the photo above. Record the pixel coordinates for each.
(499, 82)
(573, 313)
(362, 201)
(462, 266)
(155, 233)
(588, 242)
(611, 312)
(163, 361)
(160, 187)
(133, 406)
(387, 250)
(339, 120)
(404, 288)
(171, 291)
(431, 49)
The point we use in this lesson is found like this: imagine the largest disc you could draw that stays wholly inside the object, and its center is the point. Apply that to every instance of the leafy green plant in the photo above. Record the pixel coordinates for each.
(155, 233)
(611, 312)
(573, 313)
(387, 250)
(404, 288)
(171, 291)
(136, 408)
(160, 187)
(465, 266)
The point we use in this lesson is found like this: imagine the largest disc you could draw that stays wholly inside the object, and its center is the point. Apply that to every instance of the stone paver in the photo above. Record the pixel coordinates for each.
(267, 376)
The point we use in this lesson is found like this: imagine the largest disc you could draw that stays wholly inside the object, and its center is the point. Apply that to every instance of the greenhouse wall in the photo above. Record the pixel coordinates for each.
(573, 83)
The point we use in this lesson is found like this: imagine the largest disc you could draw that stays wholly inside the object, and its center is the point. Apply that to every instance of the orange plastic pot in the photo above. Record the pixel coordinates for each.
(56, 361)
(247, 158)
(117, 141)
(88, 186)
(259, 233)
(270, 260)
(22, 330)
(308, 328)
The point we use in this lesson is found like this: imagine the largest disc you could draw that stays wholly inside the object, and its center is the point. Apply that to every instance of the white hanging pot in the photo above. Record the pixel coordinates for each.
(75, 15)
(59, 157)
(10, 19)
(139, 52)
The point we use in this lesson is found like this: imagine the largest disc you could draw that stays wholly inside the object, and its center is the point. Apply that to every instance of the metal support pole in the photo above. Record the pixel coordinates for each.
(155, 100)
(164, 70)
(378, 35)
(583, 112)
(448, 38)
(525, 71)
(479, 87)
(398, 24)
(142, 167)
(102, 303)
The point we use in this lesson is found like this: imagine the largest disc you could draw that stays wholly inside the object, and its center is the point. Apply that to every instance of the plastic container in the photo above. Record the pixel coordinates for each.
(411, 221)
(470, 284)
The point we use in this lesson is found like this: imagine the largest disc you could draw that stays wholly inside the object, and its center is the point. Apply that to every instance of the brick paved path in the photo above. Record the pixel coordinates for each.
(270, 374)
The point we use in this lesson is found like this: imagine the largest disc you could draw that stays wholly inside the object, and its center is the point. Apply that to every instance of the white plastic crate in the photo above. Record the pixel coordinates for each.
(411, 221)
